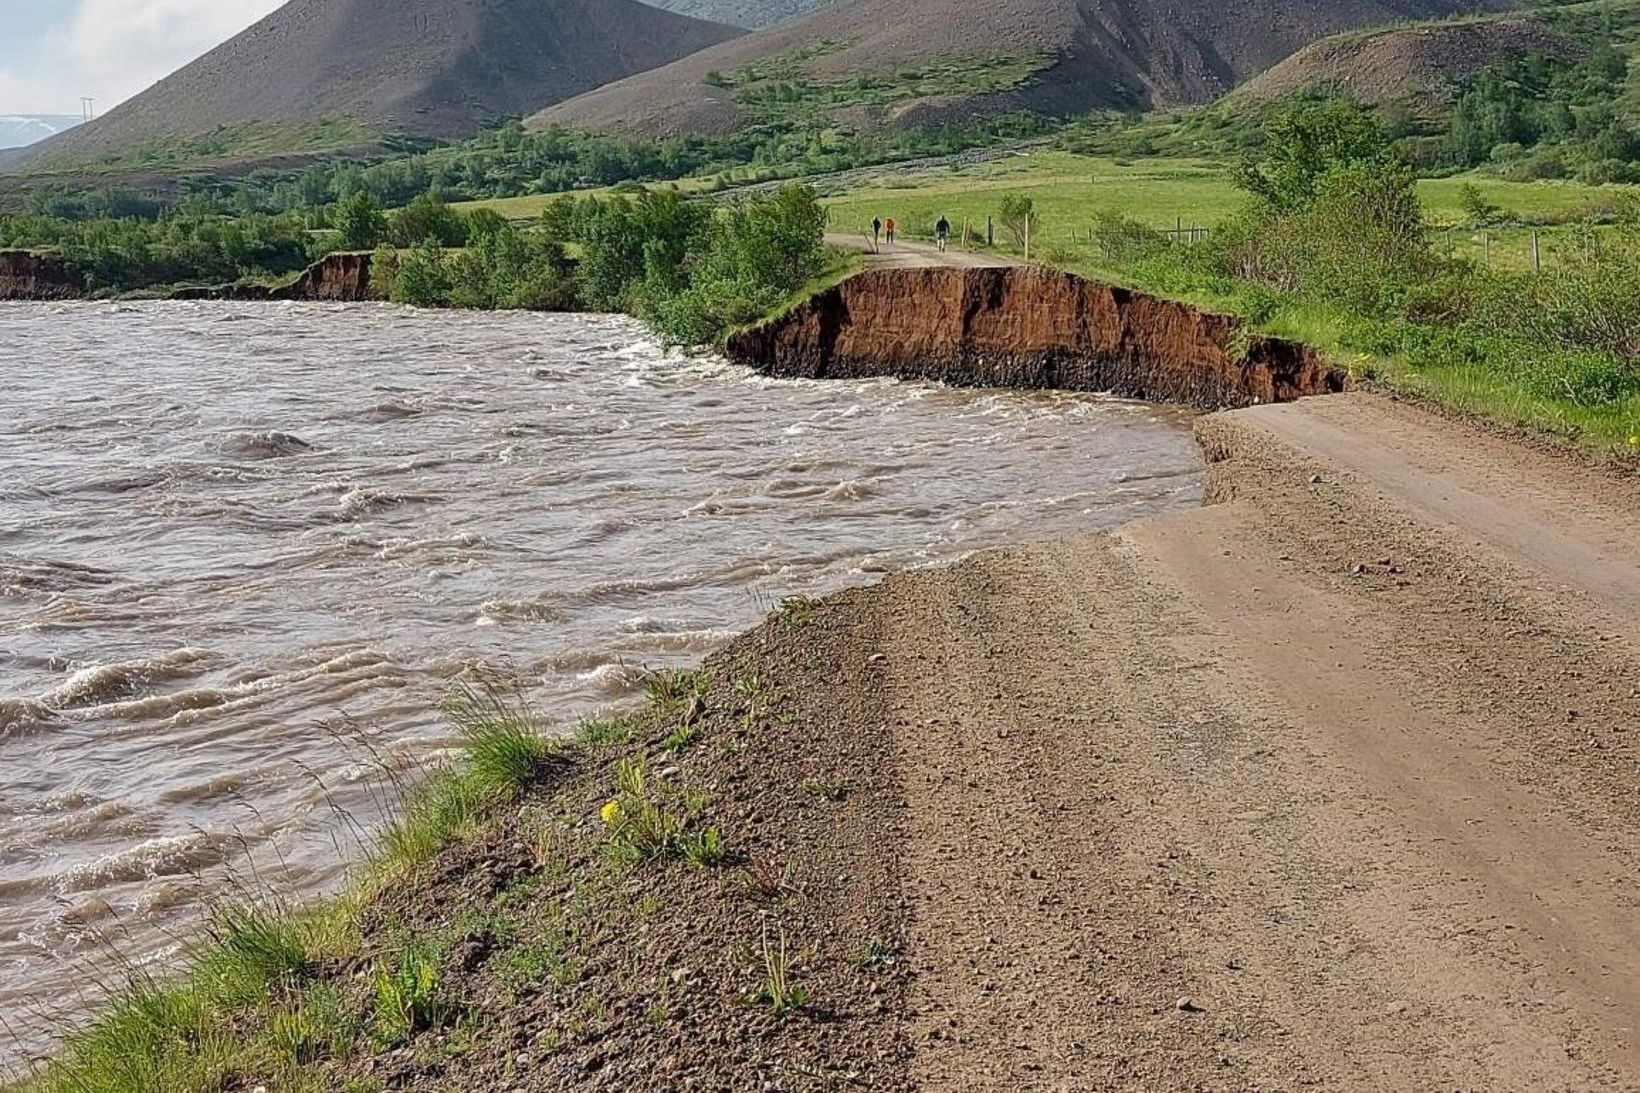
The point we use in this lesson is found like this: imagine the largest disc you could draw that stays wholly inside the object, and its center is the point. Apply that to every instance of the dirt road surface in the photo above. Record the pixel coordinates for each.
(1330, 784)
(911, 255)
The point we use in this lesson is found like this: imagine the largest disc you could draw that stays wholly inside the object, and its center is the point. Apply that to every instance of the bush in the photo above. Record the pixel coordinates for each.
(1019, 219)
(425, 219)
(1124, 239)
(422, 279)
(360, 221)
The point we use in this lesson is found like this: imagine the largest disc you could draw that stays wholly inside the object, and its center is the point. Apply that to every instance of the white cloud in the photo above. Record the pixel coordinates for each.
(112, 49)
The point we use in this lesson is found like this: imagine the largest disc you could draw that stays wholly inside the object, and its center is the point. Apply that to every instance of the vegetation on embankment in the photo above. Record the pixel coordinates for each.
(692, 270)
(1325, 236)
(697, 891)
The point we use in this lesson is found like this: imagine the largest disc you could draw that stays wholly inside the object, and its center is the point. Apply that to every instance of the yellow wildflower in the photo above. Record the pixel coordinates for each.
(611, 812)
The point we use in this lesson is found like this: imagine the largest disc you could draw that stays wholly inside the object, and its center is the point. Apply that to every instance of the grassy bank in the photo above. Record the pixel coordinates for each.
(1427, 285)
(689, 892)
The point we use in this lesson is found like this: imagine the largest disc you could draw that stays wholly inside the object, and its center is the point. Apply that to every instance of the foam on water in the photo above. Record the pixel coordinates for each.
(245, 550)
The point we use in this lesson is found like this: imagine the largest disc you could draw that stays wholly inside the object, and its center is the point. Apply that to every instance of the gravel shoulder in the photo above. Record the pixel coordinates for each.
(1329, 783)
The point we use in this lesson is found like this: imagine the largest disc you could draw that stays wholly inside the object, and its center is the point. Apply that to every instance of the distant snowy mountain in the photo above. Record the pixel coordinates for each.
(18, 130)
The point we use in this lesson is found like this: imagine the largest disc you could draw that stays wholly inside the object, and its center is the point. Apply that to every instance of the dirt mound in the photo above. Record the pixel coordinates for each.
(1031, 328)
(343, 70)
(1421, 64)
(946, 60)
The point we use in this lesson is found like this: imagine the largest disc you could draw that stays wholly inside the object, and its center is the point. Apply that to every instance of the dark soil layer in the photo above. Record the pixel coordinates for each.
(1028, 327)
(572, 969)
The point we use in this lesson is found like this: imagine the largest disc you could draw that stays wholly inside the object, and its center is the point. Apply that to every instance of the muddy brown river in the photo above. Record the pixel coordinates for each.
(245, 549)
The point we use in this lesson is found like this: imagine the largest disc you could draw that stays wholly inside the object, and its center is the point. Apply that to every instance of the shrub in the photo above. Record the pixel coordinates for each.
(427, 219)
(1019, 218)
(360, 221)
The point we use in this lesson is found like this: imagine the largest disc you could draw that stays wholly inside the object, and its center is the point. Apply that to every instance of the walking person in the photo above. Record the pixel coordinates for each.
(876, 231)
(888, 229)
(942, 233)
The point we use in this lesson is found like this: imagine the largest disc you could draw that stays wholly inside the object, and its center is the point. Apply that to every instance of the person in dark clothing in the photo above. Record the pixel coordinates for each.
(942, 233)
(876, 230)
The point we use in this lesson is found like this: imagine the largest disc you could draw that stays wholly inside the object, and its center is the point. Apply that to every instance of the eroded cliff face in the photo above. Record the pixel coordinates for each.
(1032, 328)
(334, 277)
(25, 275)
(343, 277)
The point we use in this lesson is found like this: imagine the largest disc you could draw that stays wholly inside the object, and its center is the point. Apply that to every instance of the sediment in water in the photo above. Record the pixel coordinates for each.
(1036, 328)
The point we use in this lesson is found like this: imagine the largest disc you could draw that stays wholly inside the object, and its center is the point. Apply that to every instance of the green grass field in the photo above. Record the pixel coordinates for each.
(1069, 190)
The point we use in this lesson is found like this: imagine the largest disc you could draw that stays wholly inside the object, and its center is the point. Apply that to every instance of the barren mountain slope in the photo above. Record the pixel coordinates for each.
(755, 14)
(1423, 64)
(362, 67)
(1067, 56)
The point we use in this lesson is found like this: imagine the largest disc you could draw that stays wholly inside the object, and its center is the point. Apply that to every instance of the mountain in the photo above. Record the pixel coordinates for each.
(320, 73)
(1420, 65)
(20, 130)
(755, 14)
(873, 63)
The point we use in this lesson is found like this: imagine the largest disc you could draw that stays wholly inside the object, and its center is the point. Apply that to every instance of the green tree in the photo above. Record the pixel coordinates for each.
(1303, 142)
(360, 221)
(423, 279)
(428, 217)
(1019, 219)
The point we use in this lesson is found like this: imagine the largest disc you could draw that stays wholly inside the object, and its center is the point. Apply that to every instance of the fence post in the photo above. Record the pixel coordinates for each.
(990, 235)
(1537, 256)
(1027, 239)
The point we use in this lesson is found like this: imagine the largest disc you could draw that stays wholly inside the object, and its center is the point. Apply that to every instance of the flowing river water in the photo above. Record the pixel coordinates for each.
(245, 549)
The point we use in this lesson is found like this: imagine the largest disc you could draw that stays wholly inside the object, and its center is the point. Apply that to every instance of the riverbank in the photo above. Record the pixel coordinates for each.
(1328, 782)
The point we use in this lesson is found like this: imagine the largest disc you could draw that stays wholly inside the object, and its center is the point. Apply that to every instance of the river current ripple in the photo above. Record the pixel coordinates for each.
(245, 549)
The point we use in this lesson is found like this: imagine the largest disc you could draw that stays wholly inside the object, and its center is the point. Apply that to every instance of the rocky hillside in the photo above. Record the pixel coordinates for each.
(320, 73)
(903, 62)
(1422, 65)
(755, 14)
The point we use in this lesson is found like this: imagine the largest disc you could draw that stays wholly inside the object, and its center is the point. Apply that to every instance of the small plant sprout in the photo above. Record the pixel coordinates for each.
(408, 999)
(704, 847)
(876, 953)
(750, 688)
(677, 692)
(778, 992)
(682, 736)
(797, 612)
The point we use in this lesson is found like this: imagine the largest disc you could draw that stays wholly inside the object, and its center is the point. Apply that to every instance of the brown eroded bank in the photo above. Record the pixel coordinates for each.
(1031, 327)
(27, 275)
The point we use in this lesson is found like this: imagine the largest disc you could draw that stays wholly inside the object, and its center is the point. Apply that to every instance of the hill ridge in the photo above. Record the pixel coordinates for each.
(341, 71)
(1098, 54)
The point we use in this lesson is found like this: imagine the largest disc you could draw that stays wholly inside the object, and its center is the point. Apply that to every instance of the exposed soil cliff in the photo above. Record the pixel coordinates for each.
(1032, 328)
(25, 275)
(341, 277)
(333, 277)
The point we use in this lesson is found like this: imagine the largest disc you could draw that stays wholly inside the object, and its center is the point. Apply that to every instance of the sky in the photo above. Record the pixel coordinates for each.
(54, 51)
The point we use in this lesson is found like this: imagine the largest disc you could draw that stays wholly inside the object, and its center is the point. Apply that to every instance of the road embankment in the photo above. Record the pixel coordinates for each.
(1328, 783)
(1031, 327)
